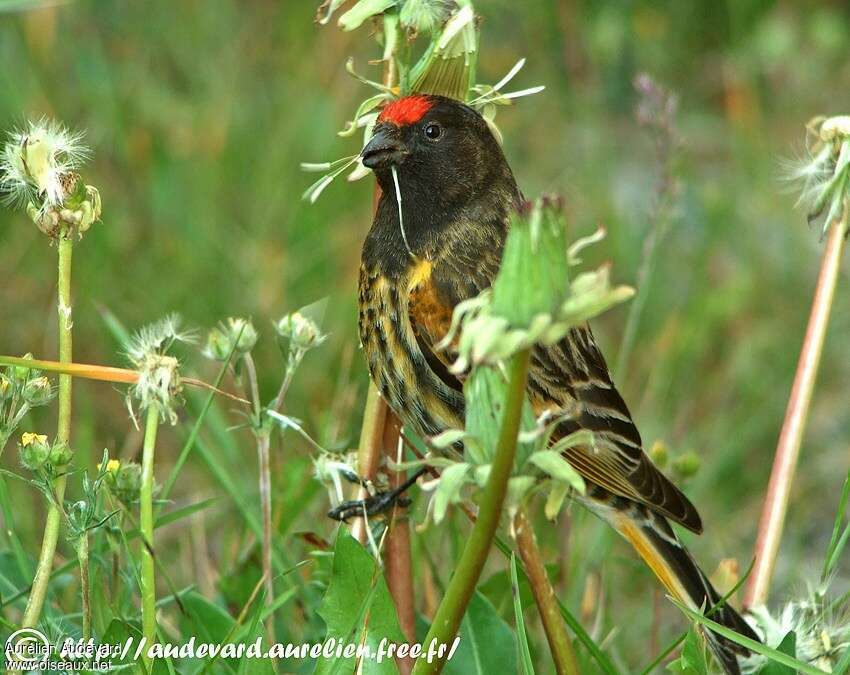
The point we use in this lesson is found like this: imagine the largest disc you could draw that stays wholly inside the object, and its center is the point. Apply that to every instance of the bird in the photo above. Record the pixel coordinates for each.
(447, 196)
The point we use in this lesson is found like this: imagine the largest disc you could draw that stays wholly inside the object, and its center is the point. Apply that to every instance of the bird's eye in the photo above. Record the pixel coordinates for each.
(433, 131)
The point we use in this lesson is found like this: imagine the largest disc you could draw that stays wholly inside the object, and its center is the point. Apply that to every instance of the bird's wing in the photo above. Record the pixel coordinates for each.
(568, 376)
(573, 375)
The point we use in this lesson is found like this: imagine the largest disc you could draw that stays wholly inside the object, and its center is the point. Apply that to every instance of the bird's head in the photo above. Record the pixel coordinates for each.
(440, 148)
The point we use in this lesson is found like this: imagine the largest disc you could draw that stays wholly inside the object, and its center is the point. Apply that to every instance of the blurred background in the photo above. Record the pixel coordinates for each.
(199, 114)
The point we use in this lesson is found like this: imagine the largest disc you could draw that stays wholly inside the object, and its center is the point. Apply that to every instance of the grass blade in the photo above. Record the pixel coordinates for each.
(522, 638)
(837, 542)
(752, 645)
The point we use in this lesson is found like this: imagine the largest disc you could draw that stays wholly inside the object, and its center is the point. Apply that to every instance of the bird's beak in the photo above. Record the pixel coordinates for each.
(384, 149)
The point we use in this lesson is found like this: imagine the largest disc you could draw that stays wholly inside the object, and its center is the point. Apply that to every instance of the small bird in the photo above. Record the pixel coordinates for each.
(447, 196)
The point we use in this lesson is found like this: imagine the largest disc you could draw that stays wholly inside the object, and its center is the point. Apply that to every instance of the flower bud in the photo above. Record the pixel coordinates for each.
(112, 466)
(6, 387)
(126, 481)
(22, 373)
(37, 391)
(218, 345)
(659, 455)
(687, 464)
(60, 454)
(302, 332)
(236, 334)
(34, 450)
(242, 331)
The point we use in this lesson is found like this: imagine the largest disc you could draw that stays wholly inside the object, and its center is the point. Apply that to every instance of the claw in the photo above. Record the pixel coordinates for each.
(372, 505)
(376, 503)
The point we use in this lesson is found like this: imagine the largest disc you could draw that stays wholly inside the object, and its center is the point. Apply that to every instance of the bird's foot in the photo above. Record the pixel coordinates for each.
(379, 502)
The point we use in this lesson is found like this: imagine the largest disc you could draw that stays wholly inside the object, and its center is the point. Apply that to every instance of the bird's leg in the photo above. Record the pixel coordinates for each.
(375, 503)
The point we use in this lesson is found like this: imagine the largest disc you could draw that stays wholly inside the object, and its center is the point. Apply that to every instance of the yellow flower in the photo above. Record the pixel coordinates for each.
(29, 437)
(111, 466)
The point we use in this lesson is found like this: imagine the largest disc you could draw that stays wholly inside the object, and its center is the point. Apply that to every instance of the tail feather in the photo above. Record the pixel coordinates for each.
(654, 540)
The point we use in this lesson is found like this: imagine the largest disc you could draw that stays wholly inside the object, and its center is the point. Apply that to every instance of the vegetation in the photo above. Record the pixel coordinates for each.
(157, 522)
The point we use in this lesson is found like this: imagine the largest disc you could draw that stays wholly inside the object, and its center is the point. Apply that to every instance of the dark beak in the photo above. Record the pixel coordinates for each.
(384, 149)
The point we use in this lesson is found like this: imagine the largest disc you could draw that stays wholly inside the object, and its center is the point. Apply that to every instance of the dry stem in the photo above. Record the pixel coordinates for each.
(791, 436)
(544, 595)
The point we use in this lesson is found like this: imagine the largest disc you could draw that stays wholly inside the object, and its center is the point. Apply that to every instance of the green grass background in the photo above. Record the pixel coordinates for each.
(199, 114)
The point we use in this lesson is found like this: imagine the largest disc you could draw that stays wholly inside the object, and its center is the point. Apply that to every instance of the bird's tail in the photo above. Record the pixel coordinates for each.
(654, 540)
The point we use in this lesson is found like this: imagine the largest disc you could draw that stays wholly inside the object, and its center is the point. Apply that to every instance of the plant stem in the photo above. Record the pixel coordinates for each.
(148, 578)
(560, 645)
(83, 556)
(462, 585)
(398, 566)
(369, 449)
(63, 433)
(262, 433)
(791, 436)
(263, 457)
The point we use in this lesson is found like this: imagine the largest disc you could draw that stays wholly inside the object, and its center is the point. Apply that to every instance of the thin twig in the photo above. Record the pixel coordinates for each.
(560, 645)
(791, 436)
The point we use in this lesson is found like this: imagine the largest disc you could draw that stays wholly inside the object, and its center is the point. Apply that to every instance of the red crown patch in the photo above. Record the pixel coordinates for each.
(407, 110)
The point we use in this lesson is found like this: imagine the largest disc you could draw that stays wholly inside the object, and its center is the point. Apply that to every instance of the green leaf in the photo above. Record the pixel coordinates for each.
(357, 600)
(487, 642)
(206, 620)
(498, 590)
(452, 480)
(118, 632)
(255, 666)
(558, 492)
(448, 438)
(787, 646)
(553, 463)
(363, 10)
(838, 539)
(692, 660)
(522, 638)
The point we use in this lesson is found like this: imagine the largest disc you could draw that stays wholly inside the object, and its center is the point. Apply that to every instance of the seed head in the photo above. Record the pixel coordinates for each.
(38, 164)
(159, 378)
(824, 173)
(822, 635)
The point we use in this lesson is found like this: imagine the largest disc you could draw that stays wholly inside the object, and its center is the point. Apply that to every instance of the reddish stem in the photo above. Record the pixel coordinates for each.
(791, 435)
(397, 557)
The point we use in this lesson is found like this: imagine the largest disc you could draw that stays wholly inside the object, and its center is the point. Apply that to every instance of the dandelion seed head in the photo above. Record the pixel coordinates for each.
(822, 635)
(157, 338)
(159, 378)
(37, 164)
